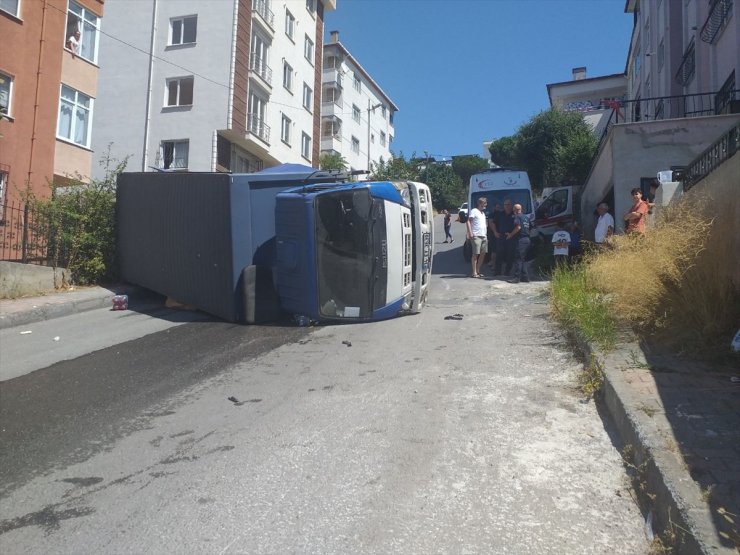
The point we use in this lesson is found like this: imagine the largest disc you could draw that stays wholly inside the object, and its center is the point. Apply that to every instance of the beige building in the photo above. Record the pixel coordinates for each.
(682, 96)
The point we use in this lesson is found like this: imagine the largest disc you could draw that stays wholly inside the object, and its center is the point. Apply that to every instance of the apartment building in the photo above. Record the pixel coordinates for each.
(232, 85)
(48, 88)
(356, 115)
(682, 97)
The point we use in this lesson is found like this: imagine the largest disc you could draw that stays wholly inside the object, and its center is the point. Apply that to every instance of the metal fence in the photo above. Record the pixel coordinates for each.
(28, 235)
(707, 161)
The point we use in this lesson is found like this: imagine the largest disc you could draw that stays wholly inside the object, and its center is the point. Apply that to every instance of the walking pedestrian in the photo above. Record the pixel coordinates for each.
(476, 225)
(447, 224)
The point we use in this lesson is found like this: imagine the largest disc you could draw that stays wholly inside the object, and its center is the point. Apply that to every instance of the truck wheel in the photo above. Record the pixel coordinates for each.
(467, 250)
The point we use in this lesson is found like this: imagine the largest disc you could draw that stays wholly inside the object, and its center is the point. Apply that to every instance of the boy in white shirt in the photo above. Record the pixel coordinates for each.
(561, 242)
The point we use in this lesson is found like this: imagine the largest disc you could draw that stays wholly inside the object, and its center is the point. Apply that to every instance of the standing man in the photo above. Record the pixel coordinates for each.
(604, 226)
(520, 234)
(503, 225)
(476, 225)
(636, 218)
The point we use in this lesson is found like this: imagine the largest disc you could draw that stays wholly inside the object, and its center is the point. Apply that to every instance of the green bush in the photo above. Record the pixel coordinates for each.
(82, 230)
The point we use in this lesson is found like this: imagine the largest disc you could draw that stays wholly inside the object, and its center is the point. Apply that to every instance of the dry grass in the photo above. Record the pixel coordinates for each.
(676, 279)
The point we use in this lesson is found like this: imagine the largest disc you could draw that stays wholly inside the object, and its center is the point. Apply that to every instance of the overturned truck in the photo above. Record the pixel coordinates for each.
(251, 248)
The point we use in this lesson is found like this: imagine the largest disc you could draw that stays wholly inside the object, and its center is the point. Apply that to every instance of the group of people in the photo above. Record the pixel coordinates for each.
(510, 240)
(505, 234)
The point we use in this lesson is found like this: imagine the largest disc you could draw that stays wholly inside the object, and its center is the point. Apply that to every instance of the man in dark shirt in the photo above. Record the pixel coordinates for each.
(504, 223)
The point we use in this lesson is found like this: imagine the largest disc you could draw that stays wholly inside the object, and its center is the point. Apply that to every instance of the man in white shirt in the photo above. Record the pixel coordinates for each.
(477, 235)
(604, 226)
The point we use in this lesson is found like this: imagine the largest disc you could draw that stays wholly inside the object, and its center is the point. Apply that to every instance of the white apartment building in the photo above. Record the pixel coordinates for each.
(356, 115)
(228, 85)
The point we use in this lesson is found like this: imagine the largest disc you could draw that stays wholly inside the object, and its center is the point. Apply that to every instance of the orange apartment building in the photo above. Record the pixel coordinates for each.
(48, 87)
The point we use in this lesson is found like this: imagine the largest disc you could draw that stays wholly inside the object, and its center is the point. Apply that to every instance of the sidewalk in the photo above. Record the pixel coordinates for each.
(680, 423)
(27, 310)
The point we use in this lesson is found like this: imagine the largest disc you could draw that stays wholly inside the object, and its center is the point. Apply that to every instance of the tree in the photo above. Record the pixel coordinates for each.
(332, 162)
(445, 185)
(465, 166)
(395, 168)
(554, 146)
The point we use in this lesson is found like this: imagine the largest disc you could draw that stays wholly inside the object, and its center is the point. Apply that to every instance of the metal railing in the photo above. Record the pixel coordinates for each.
(711, 158)
(27, 235)
(257, 126)
(665, 107)
(260, 67)
(686, 70)
(262, 7)
(719, 13)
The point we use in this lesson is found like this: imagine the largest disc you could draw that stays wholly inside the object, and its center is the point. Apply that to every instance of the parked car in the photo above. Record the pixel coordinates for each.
(462, 212)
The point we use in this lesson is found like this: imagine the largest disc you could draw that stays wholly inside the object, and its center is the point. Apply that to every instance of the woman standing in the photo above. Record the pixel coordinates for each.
(448, 224)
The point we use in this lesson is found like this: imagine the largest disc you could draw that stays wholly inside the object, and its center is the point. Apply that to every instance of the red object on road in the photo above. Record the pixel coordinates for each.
(120, 302)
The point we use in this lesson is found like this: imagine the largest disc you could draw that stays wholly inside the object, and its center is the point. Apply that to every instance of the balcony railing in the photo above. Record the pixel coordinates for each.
(257, 126)
(260, 67)
(719, 13)
(685, 72)
(666, 107)
(262, 7)
(711, 158)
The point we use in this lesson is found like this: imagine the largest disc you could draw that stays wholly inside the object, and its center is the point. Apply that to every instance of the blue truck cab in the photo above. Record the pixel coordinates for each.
(354, 251)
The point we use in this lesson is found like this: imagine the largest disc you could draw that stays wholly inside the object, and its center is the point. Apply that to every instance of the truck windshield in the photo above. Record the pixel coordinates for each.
(346, 231)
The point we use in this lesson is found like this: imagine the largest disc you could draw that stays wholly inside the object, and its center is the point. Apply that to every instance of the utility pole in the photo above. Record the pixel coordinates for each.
(370, 108)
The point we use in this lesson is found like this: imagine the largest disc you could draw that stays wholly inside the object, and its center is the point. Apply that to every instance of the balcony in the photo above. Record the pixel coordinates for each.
(257, 126)
(331, 143)
(331, 107)
(332, 77)
(262, 9)
(685, 72)
(719, 13)
(259, 67)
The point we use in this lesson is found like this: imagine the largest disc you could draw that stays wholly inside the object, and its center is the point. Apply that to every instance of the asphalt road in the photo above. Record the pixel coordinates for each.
(422, 434)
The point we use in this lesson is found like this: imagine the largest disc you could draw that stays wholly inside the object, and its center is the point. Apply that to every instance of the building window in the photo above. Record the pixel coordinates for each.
(311, 7)
(355, 113)
(372, 138)
(308, 49)
(636, 65)
(10, 6)
(287, 76)
(3, 187)
(358, 83)
(82, 32)
(6, 94)
(174, 155)
(726, 95)
(306, 146)
(661, 54)
(382, 138)
(307, 97)
(384, 112)
(75, 116)
(180, 91)
(355, 145)
(285, 130)
(289, 24)
(183, 30)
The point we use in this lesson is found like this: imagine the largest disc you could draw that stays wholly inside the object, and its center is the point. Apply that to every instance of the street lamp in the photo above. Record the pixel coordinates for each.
(370, 109)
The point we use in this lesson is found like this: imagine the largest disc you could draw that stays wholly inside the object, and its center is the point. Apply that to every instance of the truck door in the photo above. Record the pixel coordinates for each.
(423, 239)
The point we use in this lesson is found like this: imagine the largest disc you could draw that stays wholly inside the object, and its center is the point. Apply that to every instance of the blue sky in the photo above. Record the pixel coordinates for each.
(465, 71)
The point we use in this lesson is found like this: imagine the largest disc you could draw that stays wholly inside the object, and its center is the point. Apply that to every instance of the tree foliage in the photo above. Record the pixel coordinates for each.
(332, 162)
(444, 184)
(555, 147)
(82, 219)
(395, 168)
(466, 166)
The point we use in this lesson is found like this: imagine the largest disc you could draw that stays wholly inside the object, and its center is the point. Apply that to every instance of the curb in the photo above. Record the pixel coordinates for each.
(672, 496)
(38, 309)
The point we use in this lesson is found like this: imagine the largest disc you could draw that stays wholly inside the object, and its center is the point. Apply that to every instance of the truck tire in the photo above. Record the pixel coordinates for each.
(467, 250)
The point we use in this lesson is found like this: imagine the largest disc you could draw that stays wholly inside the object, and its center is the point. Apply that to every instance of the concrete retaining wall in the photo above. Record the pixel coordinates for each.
(18, 280)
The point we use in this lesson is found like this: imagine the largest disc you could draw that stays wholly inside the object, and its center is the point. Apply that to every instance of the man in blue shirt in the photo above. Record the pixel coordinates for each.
(503, 225)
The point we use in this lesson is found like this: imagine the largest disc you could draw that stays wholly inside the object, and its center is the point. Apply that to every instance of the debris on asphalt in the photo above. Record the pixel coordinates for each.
(57, 338)
(26, 332)
(454, 317)
(348, 343)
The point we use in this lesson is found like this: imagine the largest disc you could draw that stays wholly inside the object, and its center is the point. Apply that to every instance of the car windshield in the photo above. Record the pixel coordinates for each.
(345, 227)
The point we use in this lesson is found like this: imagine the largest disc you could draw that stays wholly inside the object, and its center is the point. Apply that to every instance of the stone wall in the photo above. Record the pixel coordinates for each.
(19, 280)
